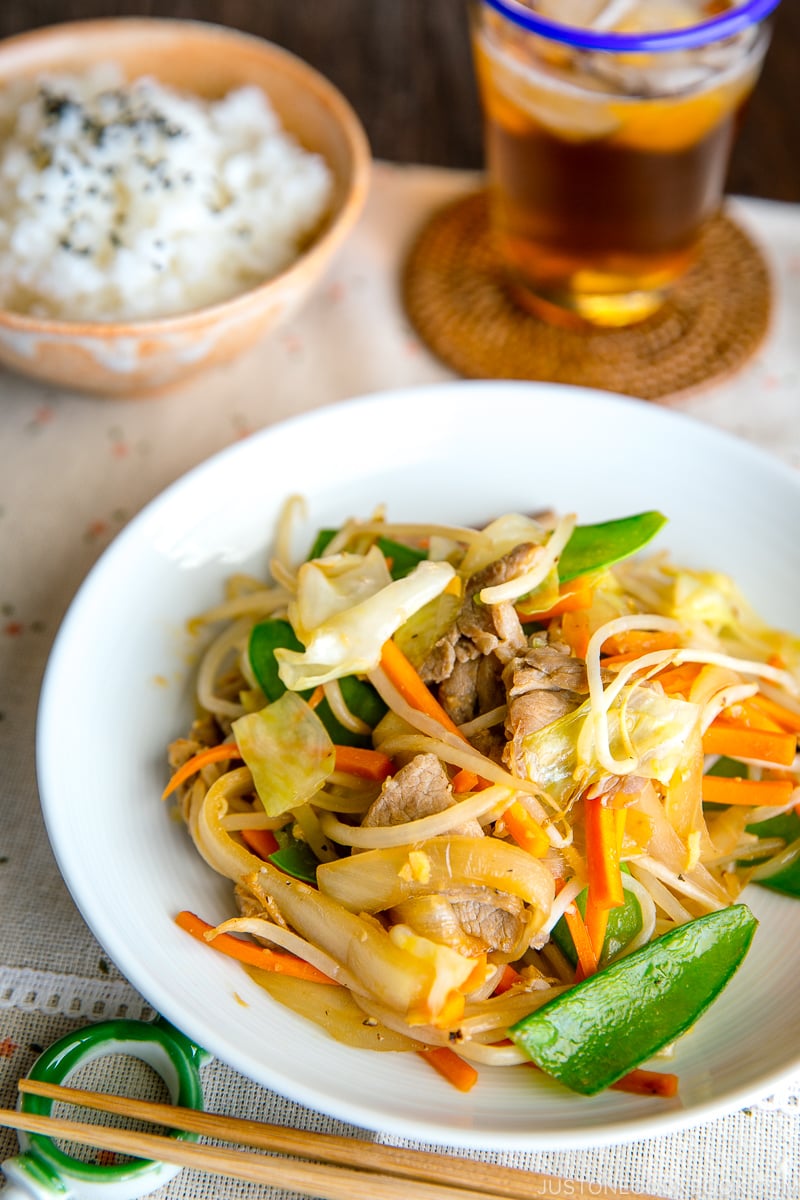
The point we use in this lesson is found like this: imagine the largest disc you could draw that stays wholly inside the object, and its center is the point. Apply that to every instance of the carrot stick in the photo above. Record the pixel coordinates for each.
(746, 715)
(573, 596)
(596, 921)
(640, 1082)
(576, 630)
(409, 684)
(634, 642)
(648, 1083)
(750, 792)
(365, 763)
(213, 754)
(464, 781)
(455, 1070)
(587, 959)
(526, 830)
(602, 854)
(737, 741)
(261, 841)
(677, 681)
(784, 717)
(249, 952)
(415, 692)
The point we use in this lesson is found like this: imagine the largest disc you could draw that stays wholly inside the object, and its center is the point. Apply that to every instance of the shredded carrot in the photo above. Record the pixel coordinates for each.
(640, 1082)
(596, 921)
(508, 978)
(737, 741)
(587, 959)
(677, 681)
(627, 647)
(749, 792)
(465, 781)
(576, 630)
(634, 642)
(526, 830)
(602, 854)
(573, 596)
(249, 952)
(415, 692)
(454, 1069)
(204, 758)
(648, 1083)
(365, 763)
(317, 696)
(784, 717)
(747, 715)
(409, 684)
(261, 841)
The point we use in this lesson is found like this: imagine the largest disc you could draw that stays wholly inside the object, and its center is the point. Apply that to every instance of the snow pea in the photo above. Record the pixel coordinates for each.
(294, 857)
(786, 826)
(593, 547)
(359, 696)
(597, 1031)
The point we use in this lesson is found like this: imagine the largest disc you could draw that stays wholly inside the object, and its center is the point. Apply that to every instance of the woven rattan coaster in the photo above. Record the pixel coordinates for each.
(455, 297)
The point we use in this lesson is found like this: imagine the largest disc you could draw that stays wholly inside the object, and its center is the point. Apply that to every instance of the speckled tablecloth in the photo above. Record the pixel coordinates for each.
(74, 470)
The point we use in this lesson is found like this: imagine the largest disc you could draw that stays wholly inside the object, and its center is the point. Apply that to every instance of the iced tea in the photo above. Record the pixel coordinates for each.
(604, 166)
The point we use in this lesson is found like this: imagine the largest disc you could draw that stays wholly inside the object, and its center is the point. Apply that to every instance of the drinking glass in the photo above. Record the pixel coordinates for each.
(608, 133)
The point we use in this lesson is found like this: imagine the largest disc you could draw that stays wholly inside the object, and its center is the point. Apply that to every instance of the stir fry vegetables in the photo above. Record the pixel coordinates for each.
(491, 796)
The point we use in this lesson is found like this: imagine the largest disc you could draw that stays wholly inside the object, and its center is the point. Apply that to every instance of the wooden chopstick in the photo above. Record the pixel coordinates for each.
(384, 1170)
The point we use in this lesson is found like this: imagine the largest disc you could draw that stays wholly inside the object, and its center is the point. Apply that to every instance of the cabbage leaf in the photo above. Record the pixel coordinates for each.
(347, 606)
(643, 724)
(288, 751)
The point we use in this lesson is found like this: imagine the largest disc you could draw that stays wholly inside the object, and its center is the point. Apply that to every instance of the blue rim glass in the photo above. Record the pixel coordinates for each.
(726, 25)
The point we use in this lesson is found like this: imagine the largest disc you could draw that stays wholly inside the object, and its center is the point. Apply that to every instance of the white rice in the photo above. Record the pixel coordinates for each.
(131, 201)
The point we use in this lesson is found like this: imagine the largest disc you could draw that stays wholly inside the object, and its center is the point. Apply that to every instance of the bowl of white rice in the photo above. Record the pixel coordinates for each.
(170, 191)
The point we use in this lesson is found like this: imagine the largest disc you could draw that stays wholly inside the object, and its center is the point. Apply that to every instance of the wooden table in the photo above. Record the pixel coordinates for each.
(406, 67)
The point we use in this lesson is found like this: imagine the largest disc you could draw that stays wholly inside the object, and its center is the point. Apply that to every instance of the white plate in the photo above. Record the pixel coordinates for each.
(118, 685)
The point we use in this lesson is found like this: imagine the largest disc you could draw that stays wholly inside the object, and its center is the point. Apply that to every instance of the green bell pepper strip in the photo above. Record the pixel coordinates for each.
(591, 1035)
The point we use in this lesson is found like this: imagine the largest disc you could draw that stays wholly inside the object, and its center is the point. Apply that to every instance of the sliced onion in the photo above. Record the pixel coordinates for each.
(420, 980)
(216, 845)
(662, 896)
(491, 1056)
(336, 1011)
(376, 880)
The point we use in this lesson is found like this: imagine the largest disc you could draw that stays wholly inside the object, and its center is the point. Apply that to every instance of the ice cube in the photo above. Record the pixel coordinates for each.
(580, 14)
(651, 16)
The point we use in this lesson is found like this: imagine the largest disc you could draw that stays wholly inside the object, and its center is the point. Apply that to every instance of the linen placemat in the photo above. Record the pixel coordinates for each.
(75, 469)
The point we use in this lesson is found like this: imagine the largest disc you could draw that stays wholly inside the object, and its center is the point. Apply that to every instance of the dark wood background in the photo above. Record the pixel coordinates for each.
(405, 66)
